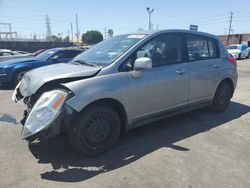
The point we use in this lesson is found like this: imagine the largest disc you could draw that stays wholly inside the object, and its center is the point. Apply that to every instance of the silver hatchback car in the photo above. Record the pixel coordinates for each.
(124, 82)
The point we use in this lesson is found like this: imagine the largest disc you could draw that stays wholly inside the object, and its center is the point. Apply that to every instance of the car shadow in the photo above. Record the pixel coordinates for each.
(68, 166)
(7, 86)
(7, 118)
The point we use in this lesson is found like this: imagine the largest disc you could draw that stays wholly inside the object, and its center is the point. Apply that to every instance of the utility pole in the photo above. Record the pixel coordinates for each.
(105, 33)
(230, 26)
(72, 34)
(77, 31)
(10, 29)
(150, 11)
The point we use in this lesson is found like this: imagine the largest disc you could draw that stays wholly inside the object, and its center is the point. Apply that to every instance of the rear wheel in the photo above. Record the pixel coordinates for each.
(248, 55)
(222, 98)
(95, 131)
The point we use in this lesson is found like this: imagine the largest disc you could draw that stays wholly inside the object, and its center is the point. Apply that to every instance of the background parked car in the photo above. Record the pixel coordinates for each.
(12, 71)
(22, 52)
(239, 51)
(8, 54)
(36, 53)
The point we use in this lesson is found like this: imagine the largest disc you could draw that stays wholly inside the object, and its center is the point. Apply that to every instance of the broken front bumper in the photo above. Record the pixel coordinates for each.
(45, 116)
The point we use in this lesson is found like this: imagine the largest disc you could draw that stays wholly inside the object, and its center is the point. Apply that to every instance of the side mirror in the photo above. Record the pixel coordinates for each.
(142, 63)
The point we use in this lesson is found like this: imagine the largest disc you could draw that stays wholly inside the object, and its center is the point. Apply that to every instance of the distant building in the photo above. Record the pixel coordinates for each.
(235, 39)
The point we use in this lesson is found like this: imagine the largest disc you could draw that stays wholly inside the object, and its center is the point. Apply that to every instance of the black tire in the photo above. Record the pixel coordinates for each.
(95, 131)
(221, 98)
(248, 56)
(239, 56)
(18, 76)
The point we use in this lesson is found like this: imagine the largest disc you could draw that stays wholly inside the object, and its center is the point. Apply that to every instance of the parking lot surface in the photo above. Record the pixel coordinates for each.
(195, 149)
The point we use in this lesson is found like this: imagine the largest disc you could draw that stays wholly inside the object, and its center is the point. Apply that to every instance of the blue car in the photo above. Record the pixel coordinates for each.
(12, 71)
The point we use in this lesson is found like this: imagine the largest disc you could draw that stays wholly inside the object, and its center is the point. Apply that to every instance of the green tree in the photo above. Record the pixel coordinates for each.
(66, 39)
(54, 38)
(110, 33)
(92, 37)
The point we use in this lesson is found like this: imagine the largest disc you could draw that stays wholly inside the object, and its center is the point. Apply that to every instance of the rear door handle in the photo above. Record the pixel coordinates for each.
(216, 65)
(180, 71)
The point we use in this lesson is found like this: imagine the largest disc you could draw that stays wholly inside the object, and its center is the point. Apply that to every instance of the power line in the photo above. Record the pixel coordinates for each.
(215, 17)
(33, 12)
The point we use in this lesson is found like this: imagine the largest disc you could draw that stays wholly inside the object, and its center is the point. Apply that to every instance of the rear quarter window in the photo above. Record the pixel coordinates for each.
(213, 47)
(201, 48)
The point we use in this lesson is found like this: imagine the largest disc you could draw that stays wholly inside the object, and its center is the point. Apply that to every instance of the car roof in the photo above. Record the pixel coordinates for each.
(235, 44)
(5, 50)
(238, 45)
(153, 32)
(66, 48)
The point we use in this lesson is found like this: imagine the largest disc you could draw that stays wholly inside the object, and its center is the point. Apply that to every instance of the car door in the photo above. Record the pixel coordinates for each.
(204, 67)
(163, 87)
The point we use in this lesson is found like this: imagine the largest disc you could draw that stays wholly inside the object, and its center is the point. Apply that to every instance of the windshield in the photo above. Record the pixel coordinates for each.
(46, 54)
(105, 52)
(233, 47)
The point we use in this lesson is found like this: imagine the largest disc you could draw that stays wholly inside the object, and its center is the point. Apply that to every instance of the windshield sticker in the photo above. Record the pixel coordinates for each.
(136, 36)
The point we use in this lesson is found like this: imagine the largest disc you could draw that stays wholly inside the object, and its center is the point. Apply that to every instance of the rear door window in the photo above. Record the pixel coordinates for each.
(197, 48)
(201, 48)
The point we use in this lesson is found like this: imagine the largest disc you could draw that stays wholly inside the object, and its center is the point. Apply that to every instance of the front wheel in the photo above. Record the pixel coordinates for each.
(95, 131)
(248, 56)
(239, 56)
(18, 76)
(221, 98)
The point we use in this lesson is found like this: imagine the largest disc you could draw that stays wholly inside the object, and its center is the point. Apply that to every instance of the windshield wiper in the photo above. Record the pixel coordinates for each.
(81, 62)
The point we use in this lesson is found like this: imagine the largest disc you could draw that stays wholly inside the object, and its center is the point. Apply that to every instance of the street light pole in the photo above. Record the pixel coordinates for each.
(150, 11)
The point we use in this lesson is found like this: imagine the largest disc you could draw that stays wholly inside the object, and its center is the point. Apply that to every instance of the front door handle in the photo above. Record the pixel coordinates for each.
(180, 71)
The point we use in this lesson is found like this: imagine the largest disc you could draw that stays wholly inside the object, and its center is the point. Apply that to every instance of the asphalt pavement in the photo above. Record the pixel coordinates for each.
(195, 149)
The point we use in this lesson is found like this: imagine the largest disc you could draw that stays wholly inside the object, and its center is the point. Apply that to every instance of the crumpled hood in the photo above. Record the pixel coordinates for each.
(35, 78)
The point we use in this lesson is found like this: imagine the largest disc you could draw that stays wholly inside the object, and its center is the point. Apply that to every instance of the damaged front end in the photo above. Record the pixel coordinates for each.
(46, 113)
(42, 90)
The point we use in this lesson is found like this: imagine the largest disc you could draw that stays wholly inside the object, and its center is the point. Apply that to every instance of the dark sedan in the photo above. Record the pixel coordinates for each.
(12, 71)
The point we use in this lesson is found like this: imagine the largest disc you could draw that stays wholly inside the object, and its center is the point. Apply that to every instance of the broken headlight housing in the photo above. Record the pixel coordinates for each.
(44, 112)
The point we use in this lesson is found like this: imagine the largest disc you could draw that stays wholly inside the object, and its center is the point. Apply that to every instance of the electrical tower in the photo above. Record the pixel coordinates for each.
(230, 26)
(8, 33)
(48, 29)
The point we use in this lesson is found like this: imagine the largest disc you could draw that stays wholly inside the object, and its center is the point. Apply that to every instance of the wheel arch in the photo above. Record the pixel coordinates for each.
(230, 82)
(116, 105)
(18, 69)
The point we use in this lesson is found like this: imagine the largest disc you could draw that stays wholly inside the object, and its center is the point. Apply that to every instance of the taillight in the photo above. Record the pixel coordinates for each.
(232, 60)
